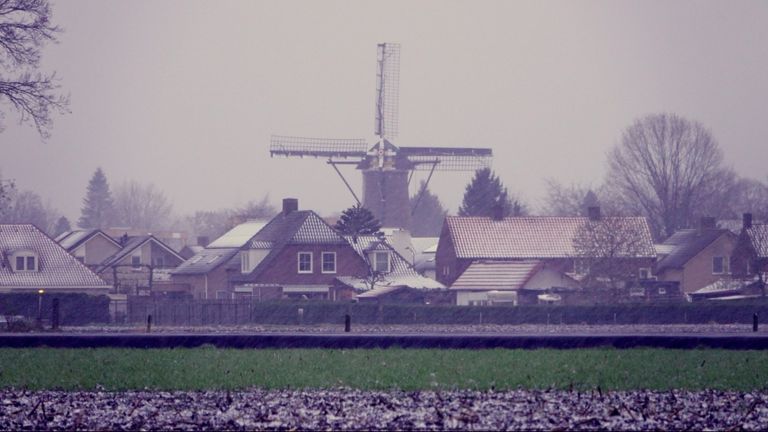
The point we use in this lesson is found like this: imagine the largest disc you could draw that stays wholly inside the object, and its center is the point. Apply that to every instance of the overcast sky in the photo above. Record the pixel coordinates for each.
(185, 94)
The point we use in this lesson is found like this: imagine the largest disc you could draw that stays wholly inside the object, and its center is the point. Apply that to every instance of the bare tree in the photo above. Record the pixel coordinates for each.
(663, 167)
(610, 251)
(25, 27)
(141, 206)
(27, 207)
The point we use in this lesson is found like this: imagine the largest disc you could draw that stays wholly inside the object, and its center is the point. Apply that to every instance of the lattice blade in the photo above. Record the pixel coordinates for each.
(317, 147)
(448, 158)
(387, 90)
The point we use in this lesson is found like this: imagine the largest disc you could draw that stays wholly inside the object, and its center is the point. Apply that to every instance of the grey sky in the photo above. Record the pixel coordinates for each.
(185, 94)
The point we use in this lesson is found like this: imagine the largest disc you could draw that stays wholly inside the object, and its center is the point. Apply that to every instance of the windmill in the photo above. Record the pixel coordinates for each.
(387, 169)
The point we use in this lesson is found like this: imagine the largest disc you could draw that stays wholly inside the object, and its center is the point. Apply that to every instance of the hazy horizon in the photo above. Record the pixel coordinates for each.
(185, 94)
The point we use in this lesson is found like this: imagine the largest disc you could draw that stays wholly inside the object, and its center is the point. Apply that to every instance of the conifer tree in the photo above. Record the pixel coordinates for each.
(358, 220)
(98, 207)
(428, 216)
(62, 226)
(484, 193)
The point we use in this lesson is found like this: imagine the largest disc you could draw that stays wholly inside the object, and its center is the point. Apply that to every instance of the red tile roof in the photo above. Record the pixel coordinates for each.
(528, 237)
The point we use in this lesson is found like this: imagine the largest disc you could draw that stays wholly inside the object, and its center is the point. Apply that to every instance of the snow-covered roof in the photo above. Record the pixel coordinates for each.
(239, 235)
(402, 274)
(57, 269)
(496, 275)
(532, 237)
(758, 236)
(424, 245)
(686, 244)
(205, 261)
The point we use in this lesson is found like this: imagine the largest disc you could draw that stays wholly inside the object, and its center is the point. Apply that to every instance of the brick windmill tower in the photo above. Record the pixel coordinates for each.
(387, 169)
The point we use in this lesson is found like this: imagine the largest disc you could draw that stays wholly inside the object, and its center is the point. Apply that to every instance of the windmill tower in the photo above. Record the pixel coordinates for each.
(387, 169)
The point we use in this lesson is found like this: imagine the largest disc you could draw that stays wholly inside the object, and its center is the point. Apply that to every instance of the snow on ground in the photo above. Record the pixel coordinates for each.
(347, 409)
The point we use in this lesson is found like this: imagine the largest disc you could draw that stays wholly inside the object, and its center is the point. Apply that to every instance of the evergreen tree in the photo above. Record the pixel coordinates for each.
(62, 226)
(358, 220)
(98, 207)
(427, 220)
(484, 193)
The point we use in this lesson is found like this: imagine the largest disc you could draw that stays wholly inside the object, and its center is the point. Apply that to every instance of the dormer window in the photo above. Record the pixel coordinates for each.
(380, 262)
(25, 262)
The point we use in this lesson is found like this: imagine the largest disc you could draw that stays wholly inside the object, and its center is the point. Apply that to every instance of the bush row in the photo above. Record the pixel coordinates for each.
(74, 308)
(228, 312)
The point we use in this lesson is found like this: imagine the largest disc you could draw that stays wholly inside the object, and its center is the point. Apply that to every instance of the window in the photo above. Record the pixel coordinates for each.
(662, 291)
(645, 273)
(136, 260)
(721, 265)
(381, 262)
(329, 262)
(25, 261)
(305, 262)
(446, 270)
(637, 291)
(244, 265)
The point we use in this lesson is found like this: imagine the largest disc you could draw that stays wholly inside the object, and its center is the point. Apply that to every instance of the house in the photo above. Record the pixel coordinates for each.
(750, 255)
(696, 258)
(31, 261)
(141, 266)
(91, 246)
(298, 252)
(506, 255)
(390, 277)
(208, 272)
(129, 264)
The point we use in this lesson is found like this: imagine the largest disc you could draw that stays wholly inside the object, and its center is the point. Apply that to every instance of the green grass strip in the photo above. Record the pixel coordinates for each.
(210, 368)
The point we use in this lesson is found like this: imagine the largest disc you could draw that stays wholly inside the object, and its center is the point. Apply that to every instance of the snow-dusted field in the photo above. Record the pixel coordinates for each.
(394, 410)
(425, 328)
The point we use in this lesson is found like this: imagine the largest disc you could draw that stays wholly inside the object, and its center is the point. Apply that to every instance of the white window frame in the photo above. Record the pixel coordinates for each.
(648, 273)
(662, 291)
(375, 261)
(637, 291)
(244, 264)
(725, 265)
(298, 262)
(25, 256)
(322, 262)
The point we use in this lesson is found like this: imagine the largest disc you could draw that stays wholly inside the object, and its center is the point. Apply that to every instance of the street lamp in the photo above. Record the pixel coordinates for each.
(40, 293)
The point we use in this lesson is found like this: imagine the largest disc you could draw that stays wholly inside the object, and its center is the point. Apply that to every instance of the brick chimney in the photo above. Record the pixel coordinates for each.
(290, 205)
(594, 213)
(746, 220)
(202, 241)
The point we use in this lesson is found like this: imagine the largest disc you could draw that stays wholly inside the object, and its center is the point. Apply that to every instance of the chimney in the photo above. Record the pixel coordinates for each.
(498, 212)
(290, 205)
(202, 241)
(707, 222)
(593, 213)
(746, 220)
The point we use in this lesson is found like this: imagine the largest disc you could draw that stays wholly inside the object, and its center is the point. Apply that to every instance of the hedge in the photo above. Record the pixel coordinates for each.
(74, 308)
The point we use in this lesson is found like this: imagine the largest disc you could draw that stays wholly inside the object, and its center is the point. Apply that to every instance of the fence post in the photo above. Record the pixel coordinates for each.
(754, 322)
(301, 316)
(347, 323)
(55, 315)
(149, 323)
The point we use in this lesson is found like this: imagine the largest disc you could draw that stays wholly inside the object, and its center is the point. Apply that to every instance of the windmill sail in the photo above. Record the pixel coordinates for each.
(387, 90)
(318, 147)
(448, 158)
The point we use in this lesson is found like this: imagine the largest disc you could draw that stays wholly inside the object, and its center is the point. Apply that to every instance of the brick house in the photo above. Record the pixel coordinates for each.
(696, 258)
(750, 255)
(298, 252)
(31, 261)
(480, 258)
(207, 273)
